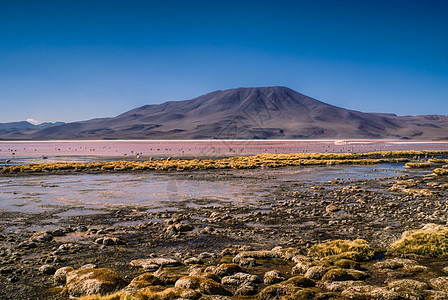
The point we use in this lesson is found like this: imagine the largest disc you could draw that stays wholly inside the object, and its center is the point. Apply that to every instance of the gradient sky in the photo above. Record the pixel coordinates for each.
(81, 59)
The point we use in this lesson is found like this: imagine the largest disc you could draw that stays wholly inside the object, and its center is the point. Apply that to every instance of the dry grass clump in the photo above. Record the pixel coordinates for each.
(430, 241)
(237, 162)
(437, 161)
(357, 250)
(440, 171)
(410, 165)
(149, 293)
(115, 296)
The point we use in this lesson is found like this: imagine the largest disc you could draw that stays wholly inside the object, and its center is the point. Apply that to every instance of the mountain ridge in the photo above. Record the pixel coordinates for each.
(245, 113)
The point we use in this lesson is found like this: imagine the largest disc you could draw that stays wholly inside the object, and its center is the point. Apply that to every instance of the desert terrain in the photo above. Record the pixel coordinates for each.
(329, 231)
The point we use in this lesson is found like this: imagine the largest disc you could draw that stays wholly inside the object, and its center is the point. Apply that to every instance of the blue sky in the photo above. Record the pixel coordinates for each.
(76, 60)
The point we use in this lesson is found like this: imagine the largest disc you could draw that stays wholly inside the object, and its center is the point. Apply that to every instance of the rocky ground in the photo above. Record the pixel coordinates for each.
(263, 251)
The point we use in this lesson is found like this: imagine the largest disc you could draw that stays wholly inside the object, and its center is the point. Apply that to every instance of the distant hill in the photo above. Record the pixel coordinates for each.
(243, 113)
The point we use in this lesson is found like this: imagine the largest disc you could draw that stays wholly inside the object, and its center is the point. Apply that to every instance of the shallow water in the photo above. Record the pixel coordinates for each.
(88, 193)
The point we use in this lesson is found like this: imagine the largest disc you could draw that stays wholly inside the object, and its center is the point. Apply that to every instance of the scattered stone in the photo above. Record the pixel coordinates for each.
(47, 269)
(43, 237)
(227, 269)
(339, 286)
(60, 276)
(301, 268)
(240, 283)
(152, 264)
(331, 208)
(316, 272)
(343, 274)
(272, 277)
(408, 284)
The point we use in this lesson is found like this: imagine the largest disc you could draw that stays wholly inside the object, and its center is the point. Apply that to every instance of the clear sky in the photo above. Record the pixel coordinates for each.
(79, 59)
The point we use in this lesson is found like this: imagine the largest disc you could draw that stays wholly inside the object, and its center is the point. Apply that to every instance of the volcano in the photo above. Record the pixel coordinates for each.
(244, 113)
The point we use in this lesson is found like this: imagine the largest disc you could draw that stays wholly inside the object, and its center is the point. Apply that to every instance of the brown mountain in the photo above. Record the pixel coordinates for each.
(246, 113)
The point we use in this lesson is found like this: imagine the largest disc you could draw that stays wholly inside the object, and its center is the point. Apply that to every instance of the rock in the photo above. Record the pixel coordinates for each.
(286, 253)
(300, 281)
(255, 254)
(415, 268)
(300, 268)
(394, 263)
(272, 277)
(203, 285)
(152, 264)
(408, 284)
(58, 232)
(300, 258)
(240, 283)
(331, 208)
(278, 291)
(47, 269)
(144, 280)
(247, 262)
(181, 227)
(439, 283)
(91, 266)
(339, 286)
(92, 281)
(27, 245)
(290, 289)
(383, 293)
(206, 255)
(357, 291)
(316, 272)
(81, 228)
(343, 274)
(60, 275)
(192, 261)
(107, 241)
(43, 237)
(227, 269)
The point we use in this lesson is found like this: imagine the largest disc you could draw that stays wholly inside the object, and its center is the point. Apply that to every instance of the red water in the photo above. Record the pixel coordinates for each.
(202, 148)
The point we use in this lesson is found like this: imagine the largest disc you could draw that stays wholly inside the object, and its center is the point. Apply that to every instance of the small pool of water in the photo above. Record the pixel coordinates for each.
(167, 191)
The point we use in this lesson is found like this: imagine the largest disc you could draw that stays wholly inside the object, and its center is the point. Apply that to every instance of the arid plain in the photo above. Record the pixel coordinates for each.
(297, 226)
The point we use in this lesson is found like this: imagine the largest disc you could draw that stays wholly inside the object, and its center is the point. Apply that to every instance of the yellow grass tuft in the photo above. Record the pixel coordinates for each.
(417, 165)
(430, 241)
(440, 171)
(358, 250)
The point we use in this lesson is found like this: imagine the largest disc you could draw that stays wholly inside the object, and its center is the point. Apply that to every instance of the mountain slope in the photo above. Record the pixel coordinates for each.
(248, 113)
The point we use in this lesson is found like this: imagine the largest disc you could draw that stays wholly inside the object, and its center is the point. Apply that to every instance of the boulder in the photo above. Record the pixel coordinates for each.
(92, 281)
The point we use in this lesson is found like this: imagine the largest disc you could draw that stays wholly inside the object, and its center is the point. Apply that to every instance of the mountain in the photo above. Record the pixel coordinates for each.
(22, 128)
(245, 113)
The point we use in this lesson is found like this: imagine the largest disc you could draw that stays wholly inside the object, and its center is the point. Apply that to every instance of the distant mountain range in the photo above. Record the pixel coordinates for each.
(243, 113)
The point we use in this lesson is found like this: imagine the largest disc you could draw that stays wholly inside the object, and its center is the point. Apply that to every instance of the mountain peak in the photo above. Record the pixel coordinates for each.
(243, 113)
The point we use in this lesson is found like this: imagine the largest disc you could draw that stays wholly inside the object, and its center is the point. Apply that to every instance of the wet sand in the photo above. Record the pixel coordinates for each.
(141, 149)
